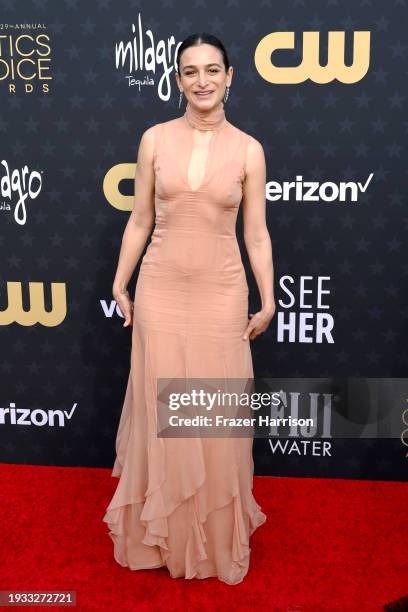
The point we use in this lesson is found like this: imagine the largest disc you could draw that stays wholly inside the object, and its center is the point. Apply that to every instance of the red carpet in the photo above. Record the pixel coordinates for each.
(328, 545)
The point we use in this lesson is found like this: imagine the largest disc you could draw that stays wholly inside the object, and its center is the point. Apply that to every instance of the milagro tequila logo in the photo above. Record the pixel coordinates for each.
(16, 186)
(144, 55)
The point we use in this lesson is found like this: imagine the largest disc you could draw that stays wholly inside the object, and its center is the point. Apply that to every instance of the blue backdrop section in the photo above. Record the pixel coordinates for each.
(79, 84)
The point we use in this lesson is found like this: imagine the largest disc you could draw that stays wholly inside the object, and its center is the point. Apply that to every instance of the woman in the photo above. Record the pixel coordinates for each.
(187, 503)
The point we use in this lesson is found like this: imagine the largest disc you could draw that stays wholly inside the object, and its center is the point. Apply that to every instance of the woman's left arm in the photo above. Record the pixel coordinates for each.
(257, 239)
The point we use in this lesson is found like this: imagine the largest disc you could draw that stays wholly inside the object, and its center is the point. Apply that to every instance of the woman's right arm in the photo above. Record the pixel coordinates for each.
(139, 225)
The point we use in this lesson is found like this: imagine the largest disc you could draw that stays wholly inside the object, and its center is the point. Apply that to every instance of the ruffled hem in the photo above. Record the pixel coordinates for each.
(146, 501)
(156, 534)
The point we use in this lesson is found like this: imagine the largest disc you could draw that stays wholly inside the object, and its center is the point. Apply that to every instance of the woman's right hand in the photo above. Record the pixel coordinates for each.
(125, 304)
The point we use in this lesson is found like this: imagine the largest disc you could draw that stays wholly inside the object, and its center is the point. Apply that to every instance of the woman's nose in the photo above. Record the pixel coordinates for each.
(202, 78)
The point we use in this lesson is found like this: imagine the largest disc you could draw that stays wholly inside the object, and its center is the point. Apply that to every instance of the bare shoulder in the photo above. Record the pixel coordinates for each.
(147, 143)
(255, 148)
(148, 137)
(255, 156)
(151, 135)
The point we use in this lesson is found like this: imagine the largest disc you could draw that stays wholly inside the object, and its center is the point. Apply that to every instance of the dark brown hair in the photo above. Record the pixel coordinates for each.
(198, 39)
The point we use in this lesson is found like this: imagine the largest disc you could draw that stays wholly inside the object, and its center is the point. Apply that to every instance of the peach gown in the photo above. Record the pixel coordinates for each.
(187, 503)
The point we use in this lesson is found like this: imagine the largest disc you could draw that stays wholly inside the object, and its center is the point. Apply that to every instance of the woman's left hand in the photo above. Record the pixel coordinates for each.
(259, 322)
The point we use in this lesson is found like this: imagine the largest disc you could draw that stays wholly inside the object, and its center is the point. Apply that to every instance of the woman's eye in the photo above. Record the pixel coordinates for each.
(211, 70)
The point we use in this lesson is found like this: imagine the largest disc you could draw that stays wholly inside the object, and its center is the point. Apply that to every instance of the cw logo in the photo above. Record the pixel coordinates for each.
(14, 312)
(111, 183)
(310, 68)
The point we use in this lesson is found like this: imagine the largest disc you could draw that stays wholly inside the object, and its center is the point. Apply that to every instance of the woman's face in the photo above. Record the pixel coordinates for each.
(202, 70)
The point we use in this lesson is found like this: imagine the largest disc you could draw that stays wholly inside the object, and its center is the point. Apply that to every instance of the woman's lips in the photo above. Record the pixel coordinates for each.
(202, 94)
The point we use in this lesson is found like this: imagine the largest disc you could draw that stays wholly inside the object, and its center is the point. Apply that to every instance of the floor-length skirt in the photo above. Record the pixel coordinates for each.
(184, 503)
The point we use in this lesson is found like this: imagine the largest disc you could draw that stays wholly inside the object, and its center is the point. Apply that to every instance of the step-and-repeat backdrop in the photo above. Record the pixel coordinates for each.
(322, 87)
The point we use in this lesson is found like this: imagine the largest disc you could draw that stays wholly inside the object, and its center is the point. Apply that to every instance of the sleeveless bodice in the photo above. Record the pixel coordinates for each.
(195, 229)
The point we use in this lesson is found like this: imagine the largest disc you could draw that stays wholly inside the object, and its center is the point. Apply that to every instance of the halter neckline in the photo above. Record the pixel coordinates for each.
(213, 119)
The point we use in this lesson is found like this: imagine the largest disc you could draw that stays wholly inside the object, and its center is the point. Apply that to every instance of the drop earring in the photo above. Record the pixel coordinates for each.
(180, 98)
(226, 94)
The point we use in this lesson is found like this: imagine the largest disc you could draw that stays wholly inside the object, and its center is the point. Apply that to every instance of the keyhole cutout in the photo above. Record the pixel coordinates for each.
(198, 162)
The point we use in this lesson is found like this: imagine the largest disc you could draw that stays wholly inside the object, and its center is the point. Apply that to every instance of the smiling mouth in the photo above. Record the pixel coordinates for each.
(203, 94)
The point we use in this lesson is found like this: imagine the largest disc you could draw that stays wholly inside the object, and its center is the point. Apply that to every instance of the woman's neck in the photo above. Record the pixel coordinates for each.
(211, 119)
